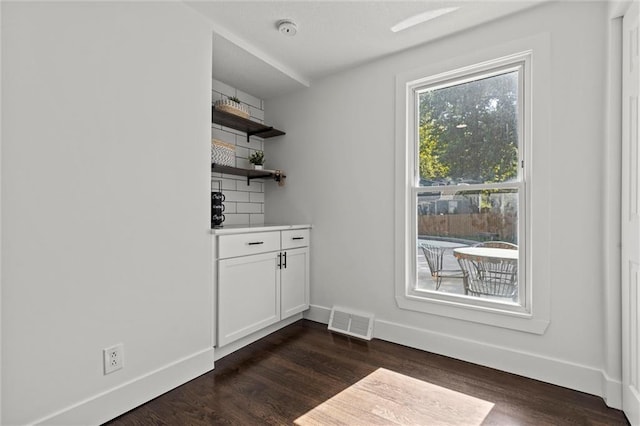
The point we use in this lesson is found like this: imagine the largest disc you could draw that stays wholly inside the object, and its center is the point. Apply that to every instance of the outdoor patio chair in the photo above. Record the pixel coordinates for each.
(490, 276)
(497, 244)
(434, 255)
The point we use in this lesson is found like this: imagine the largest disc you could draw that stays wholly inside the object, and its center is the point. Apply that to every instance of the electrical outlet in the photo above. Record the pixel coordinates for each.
(113, 358)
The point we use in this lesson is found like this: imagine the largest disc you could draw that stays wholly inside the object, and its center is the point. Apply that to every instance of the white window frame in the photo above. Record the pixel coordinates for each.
(526, 316)
(520, 64)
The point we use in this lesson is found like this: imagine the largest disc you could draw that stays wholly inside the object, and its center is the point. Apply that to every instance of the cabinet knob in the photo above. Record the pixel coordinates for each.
(255, 243)
(297, 238)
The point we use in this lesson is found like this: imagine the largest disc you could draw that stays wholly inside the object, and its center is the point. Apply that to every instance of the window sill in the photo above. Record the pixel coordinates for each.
(492, 316)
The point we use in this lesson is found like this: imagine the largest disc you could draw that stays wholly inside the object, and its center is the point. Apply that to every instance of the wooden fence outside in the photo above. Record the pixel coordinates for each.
(475, 226)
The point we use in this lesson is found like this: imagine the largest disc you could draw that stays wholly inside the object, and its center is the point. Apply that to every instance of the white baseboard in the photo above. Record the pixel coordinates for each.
(550, 370)
(223, 351)
(612, 390)
(318, 314)
(114, 402)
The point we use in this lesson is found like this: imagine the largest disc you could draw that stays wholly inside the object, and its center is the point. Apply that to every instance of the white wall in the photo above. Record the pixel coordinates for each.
(339, 157)
(105, 212)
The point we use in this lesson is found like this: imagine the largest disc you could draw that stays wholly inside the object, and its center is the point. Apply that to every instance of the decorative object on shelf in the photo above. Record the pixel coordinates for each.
(257, 159)
(279, 177)
(233, 106)
(223, 153)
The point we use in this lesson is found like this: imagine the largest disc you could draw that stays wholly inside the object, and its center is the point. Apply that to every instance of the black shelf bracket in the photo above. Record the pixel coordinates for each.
(259, 176)
(257, 132)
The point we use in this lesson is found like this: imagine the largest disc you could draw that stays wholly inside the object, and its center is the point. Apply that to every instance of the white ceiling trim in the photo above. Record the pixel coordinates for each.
(260, 54)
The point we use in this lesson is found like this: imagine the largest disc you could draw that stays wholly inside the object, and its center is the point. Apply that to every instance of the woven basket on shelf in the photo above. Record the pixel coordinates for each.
(223, 153)
(232, 107)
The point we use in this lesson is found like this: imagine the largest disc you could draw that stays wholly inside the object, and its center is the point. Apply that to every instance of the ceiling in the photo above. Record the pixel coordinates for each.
(251, 54)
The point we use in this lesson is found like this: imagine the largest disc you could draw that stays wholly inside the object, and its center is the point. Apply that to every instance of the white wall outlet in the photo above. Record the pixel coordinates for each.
(113, 358)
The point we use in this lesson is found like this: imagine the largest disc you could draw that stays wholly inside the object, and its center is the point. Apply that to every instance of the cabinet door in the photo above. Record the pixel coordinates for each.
(248, 295)
(294, 282)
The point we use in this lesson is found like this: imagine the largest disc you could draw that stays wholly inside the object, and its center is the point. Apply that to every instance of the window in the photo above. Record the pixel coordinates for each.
(468, 187)
(462, 193)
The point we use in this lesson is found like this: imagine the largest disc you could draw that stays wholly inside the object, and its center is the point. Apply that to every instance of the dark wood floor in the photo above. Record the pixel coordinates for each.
(286, 374)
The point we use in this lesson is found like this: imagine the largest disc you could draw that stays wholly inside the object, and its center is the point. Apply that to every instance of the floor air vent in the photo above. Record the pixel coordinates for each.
(351, 323)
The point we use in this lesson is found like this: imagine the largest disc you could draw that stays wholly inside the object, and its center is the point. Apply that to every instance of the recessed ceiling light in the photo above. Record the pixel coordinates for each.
(422, 17)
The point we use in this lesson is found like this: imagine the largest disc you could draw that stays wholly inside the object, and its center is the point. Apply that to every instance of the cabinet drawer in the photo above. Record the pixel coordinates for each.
(295, 238)
(246, 244)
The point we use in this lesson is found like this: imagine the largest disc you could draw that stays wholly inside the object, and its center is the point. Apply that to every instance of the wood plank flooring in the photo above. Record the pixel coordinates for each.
(299, 373)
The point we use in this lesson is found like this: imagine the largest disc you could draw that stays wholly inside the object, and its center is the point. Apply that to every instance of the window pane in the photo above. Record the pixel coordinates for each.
(474, 216)
(469, 132)
(457, 218)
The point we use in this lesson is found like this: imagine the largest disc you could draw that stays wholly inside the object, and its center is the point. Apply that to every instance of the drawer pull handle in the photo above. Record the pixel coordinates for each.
(298, 238)
(255, 243)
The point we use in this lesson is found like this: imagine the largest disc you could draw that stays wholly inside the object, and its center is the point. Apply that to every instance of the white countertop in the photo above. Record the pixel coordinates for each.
(243, 229)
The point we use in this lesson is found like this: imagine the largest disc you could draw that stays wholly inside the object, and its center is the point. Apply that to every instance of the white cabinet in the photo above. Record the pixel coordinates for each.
(294, 282)
(262, 278)
(294, 238)
(248, 295)
(295, 270)
(246, 244)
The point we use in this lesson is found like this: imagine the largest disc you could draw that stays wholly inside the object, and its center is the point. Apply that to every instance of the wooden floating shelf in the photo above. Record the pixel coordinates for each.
(248, 173)
(250, 127)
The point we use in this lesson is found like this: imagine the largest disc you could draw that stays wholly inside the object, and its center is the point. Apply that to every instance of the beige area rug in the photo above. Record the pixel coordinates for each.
(388, 398)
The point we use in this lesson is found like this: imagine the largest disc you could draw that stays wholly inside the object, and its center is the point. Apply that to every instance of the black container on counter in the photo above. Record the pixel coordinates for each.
(216, 209)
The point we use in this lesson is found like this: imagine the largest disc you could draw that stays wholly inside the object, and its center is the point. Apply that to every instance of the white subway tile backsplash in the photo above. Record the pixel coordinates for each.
(256, 114)
(229, 208)
(256, 219)
(236, 219)
(249, 99)
(228, 184)
(254, 142)
(244, 203)
(216, 184)
(216, 96)
(249, 207)
(242, 163)
(223, 135)
(242, 152)
(236, 196)
(256, 197)
(223, 88)
(254, 186)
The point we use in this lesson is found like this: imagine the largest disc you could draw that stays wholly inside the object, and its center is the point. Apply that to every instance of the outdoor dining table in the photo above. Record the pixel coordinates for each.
(480, 254)
(488, 270)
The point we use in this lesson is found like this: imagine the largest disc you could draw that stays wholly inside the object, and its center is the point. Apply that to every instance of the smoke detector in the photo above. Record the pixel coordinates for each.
(287, 27)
